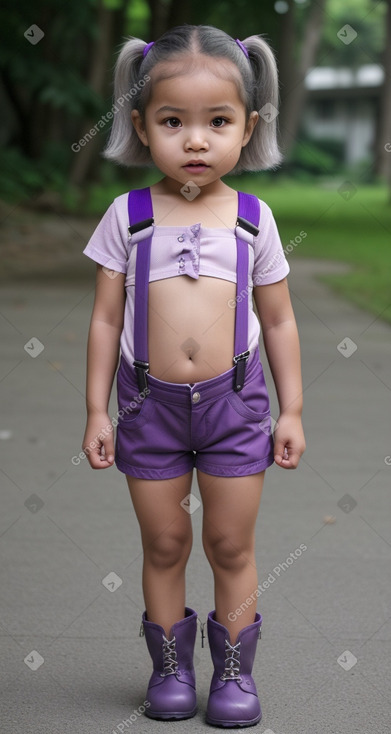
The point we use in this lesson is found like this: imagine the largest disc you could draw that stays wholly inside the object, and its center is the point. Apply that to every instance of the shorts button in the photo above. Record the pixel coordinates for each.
(196, 397)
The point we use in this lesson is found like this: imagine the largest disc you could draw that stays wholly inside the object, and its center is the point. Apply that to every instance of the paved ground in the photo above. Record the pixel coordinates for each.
(72, 660)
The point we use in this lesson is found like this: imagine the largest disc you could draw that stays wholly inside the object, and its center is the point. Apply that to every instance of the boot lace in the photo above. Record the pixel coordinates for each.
(170, 664)
(232, 662)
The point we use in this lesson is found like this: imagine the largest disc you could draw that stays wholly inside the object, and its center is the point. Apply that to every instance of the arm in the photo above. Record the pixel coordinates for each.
(282, 347)
(102, 360)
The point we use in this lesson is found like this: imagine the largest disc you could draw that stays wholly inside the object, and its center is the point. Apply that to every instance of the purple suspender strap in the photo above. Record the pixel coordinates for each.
(140, 217)
(248, 218)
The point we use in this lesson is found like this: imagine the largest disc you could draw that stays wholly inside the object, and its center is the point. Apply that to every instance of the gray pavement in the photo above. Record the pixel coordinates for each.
(72, 660)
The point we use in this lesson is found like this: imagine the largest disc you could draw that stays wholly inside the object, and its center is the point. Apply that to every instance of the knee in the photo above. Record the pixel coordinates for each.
(228, 553)
(168, 550)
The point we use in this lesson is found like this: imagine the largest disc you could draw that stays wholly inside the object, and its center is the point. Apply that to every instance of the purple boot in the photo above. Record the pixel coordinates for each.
(171, 689)
(233, 699)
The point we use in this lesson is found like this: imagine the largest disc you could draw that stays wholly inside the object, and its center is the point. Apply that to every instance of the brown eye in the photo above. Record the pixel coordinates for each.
(220, 121)
(172, 120)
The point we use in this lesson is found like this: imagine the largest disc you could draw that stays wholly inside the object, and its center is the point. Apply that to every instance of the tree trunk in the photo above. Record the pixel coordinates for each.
(383, 138)
(159, 12)
(165, 15)
(286, 68)
(97, 80)
(180, 13)
(20, 110)
(293, 92)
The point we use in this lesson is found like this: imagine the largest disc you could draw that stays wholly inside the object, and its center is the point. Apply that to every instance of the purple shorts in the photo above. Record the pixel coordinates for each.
(207, 425)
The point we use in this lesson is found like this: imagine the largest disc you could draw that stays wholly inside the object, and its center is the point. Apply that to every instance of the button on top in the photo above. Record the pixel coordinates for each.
(196, 397)
(181, 238)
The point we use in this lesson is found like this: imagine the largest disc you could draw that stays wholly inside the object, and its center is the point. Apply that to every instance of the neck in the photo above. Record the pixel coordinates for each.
(172, 187)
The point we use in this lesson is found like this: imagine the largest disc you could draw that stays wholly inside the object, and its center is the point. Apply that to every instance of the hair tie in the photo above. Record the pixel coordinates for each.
(147, 47)
(242, 46)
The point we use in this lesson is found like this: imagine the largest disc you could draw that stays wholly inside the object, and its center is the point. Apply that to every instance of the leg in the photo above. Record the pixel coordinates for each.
(230, 511)
(166, 535)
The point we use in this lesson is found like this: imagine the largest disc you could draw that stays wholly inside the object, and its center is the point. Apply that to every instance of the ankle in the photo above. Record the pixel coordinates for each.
(165, 619)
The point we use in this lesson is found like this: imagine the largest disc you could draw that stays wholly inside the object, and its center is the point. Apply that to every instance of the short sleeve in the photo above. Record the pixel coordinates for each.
(270, 263)
(108, 244)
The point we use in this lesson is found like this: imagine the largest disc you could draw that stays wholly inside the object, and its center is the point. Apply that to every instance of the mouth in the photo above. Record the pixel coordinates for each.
(196, 166)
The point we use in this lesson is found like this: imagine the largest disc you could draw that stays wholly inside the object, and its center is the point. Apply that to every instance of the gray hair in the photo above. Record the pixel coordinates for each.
(257, 88)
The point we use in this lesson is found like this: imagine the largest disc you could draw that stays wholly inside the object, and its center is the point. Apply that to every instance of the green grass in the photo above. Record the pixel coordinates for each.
(355, 231)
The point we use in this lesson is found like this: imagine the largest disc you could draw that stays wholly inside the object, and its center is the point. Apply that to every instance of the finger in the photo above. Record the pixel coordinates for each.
(96, 459)
(100, 463)
(280, 450)
(107, 450)
(290, 460)
(287, 458)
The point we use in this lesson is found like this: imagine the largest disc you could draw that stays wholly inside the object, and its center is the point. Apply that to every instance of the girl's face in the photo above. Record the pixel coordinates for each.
(197, 116)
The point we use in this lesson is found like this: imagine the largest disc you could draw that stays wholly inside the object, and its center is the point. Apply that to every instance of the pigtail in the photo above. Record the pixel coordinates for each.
(124, 145)
(262, 150)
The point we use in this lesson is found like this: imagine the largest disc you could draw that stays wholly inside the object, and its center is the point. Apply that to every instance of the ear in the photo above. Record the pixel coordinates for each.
(139, 127)
(252, 121)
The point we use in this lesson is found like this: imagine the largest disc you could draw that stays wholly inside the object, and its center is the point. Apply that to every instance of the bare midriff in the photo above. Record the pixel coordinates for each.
(191, 327)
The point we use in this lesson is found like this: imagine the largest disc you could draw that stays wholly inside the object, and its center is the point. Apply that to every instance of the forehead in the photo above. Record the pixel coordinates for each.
(212, 75)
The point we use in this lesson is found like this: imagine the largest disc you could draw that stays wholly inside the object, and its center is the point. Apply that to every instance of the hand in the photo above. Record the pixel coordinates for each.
(289, 441)
(98, 441)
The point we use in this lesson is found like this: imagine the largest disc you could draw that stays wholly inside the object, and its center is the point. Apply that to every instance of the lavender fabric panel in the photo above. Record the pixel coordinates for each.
(267, 262)
(270, 263)
(107, 245)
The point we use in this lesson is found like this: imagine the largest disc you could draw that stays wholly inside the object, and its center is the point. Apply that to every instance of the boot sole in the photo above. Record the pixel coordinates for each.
(231, 724)
(166, 716)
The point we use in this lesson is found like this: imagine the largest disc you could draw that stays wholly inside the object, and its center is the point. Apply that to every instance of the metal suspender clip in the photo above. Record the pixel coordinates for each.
(141, 372)
(140, 225)
(240, 362)
(202, 625)
(249, 226)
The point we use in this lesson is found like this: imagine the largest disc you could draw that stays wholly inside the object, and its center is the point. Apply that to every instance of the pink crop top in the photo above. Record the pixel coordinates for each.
(186, 250)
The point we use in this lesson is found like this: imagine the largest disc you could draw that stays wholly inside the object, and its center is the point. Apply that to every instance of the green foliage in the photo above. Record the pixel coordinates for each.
(22, 178)
(366, 17)
(318, 158)
(50, 73)
(138, 16)
(19, 176)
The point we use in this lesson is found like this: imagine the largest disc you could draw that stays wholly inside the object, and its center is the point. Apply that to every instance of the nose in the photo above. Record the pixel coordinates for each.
(196, 140)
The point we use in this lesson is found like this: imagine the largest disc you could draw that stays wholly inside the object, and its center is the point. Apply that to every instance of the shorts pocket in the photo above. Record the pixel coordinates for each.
(252, 401)
(134, 407)
(134, 414)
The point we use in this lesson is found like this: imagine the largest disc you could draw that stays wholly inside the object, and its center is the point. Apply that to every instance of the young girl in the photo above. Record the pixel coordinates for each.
(177, 265)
